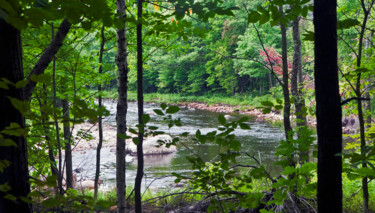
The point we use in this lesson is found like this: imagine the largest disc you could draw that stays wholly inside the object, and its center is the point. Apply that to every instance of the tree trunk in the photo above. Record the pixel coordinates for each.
(286, 114)
(297, 82)
(361, 119)
(100, 125)
(59, 177)
(328, 107)
(270, 80)
(51, 156)
(16, 174)
(68, 147)
(121, 62)
(139, 176)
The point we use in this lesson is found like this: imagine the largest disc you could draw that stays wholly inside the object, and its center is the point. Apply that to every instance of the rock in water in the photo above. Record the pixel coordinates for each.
(150, 143)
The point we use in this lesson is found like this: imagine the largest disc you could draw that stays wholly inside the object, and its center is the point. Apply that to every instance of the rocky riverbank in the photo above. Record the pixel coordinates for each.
(272, 117)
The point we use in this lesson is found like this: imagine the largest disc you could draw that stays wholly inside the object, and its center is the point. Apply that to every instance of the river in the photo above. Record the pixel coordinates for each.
(260, 141)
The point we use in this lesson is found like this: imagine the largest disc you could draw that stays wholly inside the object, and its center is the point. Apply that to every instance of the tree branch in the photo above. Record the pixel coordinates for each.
(47, 57)
(351, 99)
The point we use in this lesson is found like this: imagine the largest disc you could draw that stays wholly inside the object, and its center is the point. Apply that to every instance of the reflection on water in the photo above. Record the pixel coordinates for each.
(260, 141)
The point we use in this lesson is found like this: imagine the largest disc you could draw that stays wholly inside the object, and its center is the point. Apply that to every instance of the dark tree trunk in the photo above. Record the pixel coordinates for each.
(121, 61)
(286, 114)
(100, 125)
(16, 175)
(139, 176)
(328, 108)
(68, 146)
(57, 128)
(51, 156)
(297, 81)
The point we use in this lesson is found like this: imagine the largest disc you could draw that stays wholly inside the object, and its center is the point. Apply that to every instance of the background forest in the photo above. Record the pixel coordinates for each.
(307, 63)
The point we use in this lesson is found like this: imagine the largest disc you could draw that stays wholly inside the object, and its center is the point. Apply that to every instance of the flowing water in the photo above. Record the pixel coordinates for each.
(260, 141)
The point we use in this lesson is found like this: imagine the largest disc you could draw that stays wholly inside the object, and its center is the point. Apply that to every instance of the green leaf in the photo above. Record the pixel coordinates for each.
(145, 118)
(10, 197)
(7, 142)
(5, 187)
(158, 112)
(133, 131)
(258, 173)
(264, 18)
(184, 134)
(22, 83)
(305, 11)
(153, 127)
(253, 17)
(279, 107)
(50, 202)
(136, 140)
(266, 110)
(308, 36)
(123, 136)
(163, 106)
(347, 23)
(42, 78)
(172, 109)
(222, 119)
(14, 129)
(267, 103)
(21, 106)
(244, 126)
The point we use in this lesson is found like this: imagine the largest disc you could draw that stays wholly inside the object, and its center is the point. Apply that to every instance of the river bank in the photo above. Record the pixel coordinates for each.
(242, 104)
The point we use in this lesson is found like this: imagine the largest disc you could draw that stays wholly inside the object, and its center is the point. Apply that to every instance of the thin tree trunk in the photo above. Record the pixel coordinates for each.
(47, 57)
(286, 114)
(51, 157)
(297, 82)
(100, 126)
(68, 147)
(59, 177)
(367, 105)
(16, 174)
(121, 61)
(139, 176)
(270, 80)
(328, 107)
(361, 119)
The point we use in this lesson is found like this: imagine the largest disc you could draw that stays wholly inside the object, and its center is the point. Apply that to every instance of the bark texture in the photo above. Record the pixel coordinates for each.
(328, 108)
(16, 175)
(122, 66)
